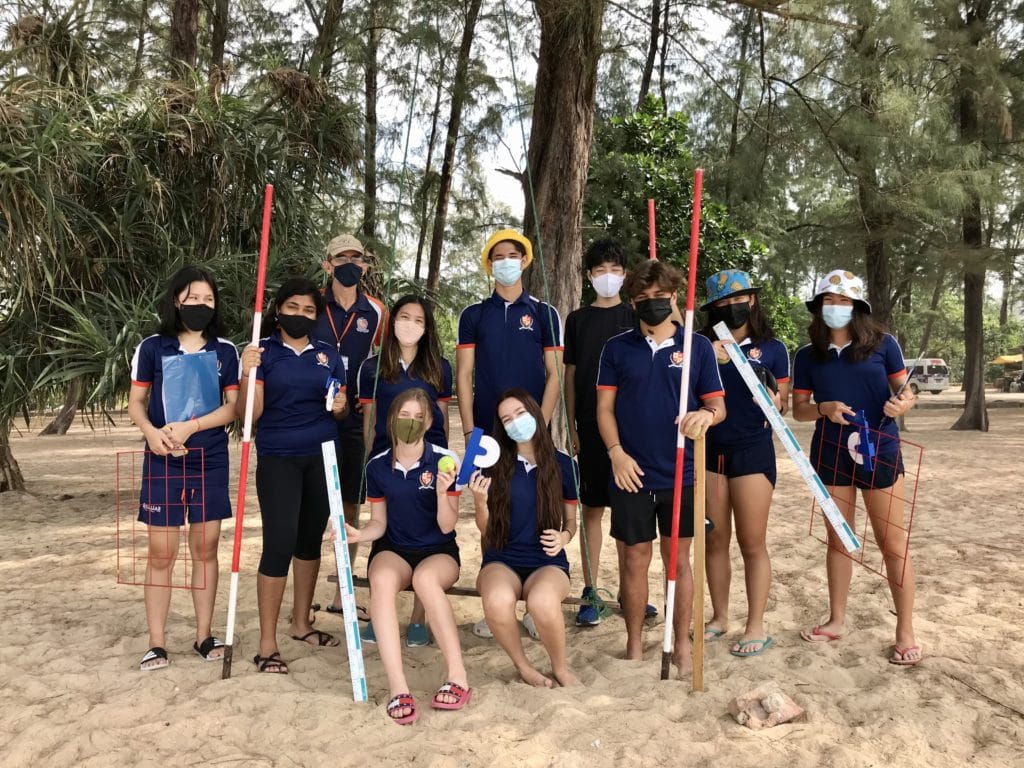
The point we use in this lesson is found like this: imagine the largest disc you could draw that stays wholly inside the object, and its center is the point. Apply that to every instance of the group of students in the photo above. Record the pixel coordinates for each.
(622, 366)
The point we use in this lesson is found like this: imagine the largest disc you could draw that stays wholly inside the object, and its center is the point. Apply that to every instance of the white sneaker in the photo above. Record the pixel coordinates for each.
(480, 629)
(530, 626)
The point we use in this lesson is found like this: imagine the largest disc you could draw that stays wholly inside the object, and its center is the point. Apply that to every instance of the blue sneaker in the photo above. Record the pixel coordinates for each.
(417, 636)
(366, 634)
(588, 615)
(650, 611)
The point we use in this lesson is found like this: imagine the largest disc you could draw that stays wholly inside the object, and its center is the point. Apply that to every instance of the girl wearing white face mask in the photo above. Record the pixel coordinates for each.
(410, 356)
(526, 512)
(853, 366)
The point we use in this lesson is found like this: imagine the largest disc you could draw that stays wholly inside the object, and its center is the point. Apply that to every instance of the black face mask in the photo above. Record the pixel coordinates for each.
(653, 311)
(296, 326)
(348, 274)
(195, 317)
(733, 315)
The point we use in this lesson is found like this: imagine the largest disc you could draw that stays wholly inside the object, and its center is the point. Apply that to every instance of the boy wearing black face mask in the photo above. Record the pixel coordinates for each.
(639, 381)
(352, 322)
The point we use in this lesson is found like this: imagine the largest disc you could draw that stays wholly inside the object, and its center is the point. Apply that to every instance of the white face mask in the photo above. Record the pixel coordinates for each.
(507, 271)
(837, 316)
(408, 332)
(608, 285)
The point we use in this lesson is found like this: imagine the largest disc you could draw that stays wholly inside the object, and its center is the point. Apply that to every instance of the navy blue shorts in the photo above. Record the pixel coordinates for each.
(595, 466)
(413, 556)
(175, 487)
(739, 460)
(640, 517)
(837, 467)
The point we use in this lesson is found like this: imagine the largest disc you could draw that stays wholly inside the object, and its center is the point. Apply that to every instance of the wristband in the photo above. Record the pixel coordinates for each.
(712, 411)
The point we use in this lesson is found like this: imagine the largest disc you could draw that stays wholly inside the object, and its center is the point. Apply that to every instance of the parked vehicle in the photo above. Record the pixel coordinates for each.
(930, 374)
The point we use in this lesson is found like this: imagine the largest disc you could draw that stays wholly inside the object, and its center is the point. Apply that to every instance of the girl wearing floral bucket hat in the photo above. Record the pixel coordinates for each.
(741, 457)
(852, 365)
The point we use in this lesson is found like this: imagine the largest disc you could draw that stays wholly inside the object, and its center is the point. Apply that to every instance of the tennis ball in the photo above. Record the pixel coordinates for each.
(446, 464)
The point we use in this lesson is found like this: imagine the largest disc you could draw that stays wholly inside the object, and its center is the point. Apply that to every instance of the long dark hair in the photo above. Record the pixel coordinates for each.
(170, 323)
(427, 363)
(865, 334)
(759, 326)
(549, 502)
(293, 286)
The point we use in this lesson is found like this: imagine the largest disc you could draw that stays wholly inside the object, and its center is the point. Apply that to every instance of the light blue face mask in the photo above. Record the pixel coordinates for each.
(507, 271)
(837, 316)
(522, 428)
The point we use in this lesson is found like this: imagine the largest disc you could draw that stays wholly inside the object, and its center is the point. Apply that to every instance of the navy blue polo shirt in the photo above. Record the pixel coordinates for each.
(862, 385)
(523, 549)
(354, 333)
(586, 331)
(387, 391)
(744, 422)
(295, 419)
(509, 339)
(147, 371)
(646, 382)
(411, 497)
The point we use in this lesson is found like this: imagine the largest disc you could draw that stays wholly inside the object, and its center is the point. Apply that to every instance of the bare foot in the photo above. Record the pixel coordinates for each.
(682, 657)
(566, 678)
(451, 698)
(532, 677)
(635, 651)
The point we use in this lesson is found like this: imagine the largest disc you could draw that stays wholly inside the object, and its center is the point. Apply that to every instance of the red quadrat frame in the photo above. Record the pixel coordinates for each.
(132, 536)
(871, 553)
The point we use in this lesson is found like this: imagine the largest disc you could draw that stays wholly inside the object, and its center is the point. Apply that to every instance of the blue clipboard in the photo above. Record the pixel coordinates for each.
(191, 386)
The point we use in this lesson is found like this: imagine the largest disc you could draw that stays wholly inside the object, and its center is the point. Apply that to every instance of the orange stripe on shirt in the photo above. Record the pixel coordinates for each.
(141, 383)
(898, 374)
(803, 391)
(606, 387)
(782, 381)
(709, 395)
(466, 346)
(375, 500)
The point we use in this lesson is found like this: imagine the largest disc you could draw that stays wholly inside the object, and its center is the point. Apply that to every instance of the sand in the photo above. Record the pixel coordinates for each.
(73, 638)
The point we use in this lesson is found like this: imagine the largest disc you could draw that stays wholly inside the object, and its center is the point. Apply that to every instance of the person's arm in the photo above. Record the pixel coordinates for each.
(251, 359)
(159, 442)
(625, 470)
(699, 421)
(181, 431)
(465, 357)
(369, 418)
(552, 390)
(479, 485)
(570, 406)
(447, 501)
(375, 526)
(899, 404)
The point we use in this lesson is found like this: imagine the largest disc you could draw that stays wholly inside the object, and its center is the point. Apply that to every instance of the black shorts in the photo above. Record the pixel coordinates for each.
(351, 461)
(739, 460)
(413, 556)
(837, 467)
(640, 517)
(595, 466)
(524, 573)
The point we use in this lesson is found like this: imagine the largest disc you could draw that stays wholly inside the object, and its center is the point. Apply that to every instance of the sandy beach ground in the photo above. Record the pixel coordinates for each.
(73, 637)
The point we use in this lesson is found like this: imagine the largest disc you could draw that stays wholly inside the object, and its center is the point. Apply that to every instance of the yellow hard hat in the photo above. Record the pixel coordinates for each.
(499, 236)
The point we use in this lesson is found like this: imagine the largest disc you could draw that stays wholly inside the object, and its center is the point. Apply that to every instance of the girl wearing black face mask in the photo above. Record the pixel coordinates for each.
(741, 457)
(414, 507)
(185, 380)
(299, 397)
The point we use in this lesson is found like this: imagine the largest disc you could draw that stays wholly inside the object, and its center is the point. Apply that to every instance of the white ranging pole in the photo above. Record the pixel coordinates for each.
(788, 439)
(348, 598)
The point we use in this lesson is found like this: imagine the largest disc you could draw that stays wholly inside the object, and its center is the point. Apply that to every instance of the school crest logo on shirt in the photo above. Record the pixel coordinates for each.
(526, 323)
(426, 480)
(362, 325)
(676, 360)
(321, 359)
(754, 353)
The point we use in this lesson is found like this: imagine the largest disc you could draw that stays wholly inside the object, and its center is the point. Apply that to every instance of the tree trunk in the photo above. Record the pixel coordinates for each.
(140, 48)
(662, 85)
(459, 95)
(560, 139)
(66, 415)
(652, 53)
(933, 309)
(975, 415)
(184, 36)
(10, 473)
(322, 60)
(218, 41)
(370, 126)
(428, 171)
(737, 100)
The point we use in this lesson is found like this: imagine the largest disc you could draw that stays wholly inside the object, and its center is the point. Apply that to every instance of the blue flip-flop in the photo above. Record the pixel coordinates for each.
(765, 644)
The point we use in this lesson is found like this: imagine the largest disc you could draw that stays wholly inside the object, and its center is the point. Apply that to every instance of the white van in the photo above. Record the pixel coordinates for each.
(928, 373)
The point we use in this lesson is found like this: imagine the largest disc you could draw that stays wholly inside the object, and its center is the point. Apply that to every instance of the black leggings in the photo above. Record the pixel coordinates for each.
(294, 507)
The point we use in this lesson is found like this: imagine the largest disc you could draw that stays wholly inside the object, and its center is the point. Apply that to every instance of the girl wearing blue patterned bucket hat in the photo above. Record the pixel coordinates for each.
(741, 458)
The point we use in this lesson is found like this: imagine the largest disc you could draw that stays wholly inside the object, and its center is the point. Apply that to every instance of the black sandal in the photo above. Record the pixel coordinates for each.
(272, 664)
(323, 639)
(205, 648)
(154, 653)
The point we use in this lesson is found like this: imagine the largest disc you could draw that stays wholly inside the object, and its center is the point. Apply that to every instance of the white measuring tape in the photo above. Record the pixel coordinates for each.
(348, 597)
(788, 439)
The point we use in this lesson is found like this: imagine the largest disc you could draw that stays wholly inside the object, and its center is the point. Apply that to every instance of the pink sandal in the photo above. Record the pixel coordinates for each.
(819, 635)
(452, 689)
(400, 701)
(899, 656)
